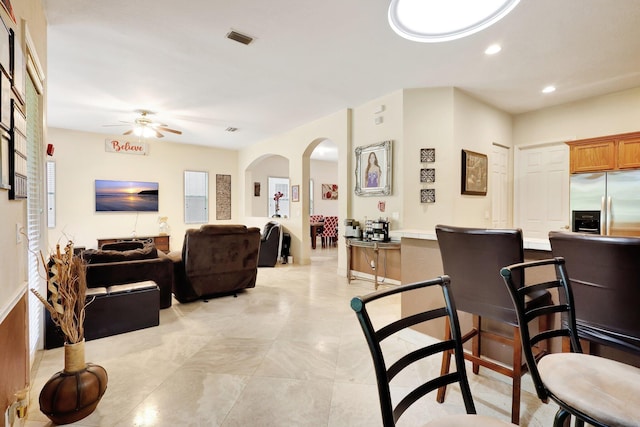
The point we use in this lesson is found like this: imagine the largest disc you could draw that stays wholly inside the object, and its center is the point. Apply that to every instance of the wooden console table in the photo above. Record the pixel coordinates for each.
(161, 242)
(376, 247)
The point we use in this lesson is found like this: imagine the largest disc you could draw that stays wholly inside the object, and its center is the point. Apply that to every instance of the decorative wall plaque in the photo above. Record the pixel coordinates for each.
(427, 155)
(427, 175)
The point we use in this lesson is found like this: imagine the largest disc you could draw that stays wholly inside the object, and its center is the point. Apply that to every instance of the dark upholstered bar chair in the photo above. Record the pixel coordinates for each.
(473, 257)
(593, 389)
(605, 276)
(388, 364)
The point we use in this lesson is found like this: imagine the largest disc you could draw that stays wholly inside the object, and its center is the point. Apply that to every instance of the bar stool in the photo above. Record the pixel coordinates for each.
(390, 364)
(595, 390)
(604, 272)
(473, 257)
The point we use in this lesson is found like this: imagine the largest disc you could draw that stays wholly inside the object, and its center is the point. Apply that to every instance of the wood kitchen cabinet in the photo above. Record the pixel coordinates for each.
(629, 153)
(605, 153)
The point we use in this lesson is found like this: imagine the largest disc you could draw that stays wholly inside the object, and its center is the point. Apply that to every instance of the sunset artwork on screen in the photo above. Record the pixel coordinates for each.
(127, 196)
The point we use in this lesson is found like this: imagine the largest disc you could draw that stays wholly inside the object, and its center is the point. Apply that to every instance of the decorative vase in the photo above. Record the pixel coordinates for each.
(72, 394)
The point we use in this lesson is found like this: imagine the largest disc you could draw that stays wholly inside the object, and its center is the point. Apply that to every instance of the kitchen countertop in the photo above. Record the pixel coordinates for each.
(528, 243)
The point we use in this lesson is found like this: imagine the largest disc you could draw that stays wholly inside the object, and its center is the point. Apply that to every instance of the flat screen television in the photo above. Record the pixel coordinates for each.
(126, 196)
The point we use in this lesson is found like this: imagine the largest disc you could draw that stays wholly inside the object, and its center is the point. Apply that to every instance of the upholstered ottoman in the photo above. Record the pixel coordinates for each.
(114, 310)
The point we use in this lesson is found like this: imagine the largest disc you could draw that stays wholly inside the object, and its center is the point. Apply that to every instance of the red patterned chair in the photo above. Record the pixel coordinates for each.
(330, 231)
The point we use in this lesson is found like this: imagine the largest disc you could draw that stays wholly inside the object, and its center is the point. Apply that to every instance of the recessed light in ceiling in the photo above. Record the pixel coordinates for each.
(549, 89)
(493, 49)
(443, 20)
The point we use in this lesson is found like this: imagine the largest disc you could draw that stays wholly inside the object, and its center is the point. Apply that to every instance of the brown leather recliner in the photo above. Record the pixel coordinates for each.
(270, 245)
(604, 272)
(216, 260)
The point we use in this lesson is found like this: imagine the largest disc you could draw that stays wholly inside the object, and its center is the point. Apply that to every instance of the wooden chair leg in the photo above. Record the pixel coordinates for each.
(517, 377)
(446, 361)
(476, 342)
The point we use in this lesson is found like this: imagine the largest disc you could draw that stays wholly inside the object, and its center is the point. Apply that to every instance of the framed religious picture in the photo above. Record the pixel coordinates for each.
(374, 169)
(474, 173)
(295, 193)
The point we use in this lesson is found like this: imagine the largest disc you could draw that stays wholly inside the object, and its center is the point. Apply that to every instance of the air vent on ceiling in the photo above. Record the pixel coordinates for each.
(231, 129)
(240, 38)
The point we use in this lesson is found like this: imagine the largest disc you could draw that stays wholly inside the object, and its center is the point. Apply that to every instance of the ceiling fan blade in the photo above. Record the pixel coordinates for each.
(170, 130)
(158, 134)
(129, 132)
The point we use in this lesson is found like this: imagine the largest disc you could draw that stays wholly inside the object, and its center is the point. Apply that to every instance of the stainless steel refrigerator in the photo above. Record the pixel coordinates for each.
(607, 203)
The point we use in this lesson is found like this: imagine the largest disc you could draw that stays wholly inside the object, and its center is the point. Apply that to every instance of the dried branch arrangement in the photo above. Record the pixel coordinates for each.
(67, 287)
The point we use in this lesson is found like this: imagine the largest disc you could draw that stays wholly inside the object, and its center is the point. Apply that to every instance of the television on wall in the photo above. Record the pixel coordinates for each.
(126, 196)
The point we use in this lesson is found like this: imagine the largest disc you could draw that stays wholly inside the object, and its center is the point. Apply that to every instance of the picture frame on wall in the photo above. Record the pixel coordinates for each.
(295, 193)
(474, 173)
(374, 169)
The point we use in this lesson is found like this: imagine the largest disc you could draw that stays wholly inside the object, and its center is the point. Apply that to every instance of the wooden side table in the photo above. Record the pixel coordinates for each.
(161, 242)
(376, 247)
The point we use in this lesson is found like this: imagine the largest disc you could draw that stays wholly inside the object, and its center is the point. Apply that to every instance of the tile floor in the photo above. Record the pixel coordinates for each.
(287, 353)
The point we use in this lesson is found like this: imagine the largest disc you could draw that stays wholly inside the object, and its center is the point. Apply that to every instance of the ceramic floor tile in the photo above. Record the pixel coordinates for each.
(288, 352)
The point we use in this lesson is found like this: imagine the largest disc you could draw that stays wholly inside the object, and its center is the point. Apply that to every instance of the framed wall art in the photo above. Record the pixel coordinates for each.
(474, 173)
(374, 169)
(330, 191)
(295, 193)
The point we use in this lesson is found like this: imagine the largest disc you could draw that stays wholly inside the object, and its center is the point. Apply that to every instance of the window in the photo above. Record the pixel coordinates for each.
(51, 194)
(310, 197)
(279, 185)
(196, 197)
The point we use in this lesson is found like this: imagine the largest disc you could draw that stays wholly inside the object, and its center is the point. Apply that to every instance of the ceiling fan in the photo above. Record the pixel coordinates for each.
(144, 127)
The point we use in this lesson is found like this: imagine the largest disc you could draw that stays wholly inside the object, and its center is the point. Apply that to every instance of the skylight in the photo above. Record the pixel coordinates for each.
(443, 20)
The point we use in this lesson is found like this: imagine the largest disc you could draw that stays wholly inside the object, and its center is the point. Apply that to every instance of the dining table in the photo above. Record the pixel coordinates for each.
(316, 227)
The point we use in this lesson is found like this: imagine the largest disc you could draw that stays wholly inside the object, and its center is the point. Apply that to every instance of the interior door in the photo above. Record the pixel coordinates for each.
(499, 183)
(542, 189)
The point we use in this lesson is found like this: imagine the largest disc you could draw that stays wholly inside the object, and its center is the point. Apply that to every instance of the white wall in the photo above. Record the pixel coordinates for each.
(13, 273)
(610, 114)
(477, 126)
(297, 146)
(324, 172)
(446, 119)
(267, 166)
(366, 132)
(81, 159)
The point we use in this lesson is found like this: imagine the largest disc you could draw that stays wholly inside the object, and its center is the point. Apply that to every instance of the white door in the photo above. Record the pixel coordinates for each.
(499, 183)
(542, 189)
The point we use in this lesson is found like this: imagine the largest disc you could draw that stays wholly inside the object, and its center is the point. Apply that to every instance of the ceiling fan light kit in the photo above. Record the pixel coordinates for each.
(144, 127)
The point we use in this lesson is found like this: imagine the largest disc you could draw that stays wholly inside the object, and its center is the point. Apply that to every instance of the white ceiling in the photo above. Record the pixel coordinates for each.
(311, 59)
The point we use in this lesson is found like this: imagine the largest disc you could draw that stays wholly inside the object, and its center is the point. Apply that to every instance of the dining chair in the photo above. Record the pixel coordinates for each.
(473, 257)
(315, 219)
(330, 231)
(604, 272)
(595, 390)
(389, 364)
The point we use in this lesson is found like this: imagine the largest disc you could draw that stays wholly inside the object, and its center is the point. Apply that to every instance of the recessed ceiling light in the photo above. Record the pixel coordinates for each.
(444, 20)
(549, 89)
(493, 49)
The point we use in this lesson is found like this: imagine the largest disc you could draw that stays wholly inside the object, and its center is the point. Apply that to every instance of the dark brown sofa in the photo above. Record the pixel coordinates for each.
(216, 260)
(115, 267)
